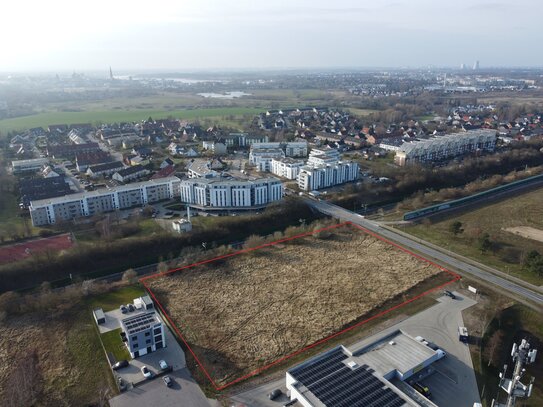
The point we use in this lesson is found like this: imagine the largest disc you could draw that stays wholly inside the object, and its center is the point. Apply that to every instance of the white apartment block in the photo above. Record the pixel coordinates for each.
(291, 149)
(33, 164)
(313, 177)
(286, 167)
(216, 193)
(447, 146)
(318, 157)
(53, 210)
(262, 158)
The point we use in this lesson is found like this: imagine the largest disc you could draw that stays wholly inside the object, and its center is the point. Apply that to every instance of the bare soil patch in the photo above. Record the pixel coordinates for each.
(250, 310)
(527, 232)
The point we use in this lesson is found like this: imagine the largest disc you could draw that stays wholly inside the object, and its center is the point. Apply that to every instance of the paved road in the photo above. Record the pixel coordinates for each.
(532, 294)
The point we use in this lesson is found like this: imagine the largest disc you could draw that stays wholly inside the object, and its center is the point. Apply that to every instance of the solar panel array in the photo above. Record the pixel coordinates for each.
(336, 384)
(139, 322)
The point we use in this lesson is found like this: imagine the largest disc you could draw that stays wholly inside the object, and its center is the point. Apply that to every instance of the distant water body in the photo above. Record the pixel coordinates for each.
(225, 95)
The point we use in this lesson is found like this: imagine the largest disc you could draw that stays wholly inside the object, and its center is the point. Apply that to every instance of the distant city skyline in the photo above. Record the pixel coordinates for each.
(190, 35)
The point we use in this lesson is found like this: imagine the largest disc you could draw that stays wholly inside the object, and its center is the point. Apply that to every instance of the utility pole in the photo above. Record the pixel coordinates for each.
(522, 355)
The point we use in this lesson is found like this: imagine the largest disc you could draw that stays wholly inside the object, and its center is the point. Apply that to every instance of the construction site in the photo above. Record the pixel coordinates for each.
(242, 313)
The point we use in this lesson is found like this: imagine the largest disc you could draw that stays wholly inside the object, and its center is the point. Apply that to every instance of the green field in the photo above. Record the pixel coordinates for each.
(113, 116)
(508, 249)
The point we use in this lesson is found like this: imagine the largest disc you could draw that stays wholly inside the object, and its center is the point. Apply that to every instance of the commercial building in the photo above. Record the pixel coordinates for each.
(370, 376)
(221, 193)
(444, 147)
(32, 165)
(312, 177)
(50, 211)
(143, 333)
(286, 167)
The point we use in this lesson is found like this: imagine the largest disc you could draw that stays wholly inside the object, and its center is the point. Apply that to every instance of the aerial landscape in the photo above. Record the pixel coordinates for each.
(254, 205)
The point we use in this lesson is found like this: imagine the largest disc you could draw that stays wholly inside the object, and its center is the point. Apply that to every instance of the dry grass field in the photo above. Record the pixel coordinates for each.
(247, 311)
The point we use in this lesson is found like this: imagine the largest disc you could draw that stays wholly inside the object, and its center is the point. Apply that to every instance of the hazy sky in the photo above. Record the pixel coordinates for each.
(191, 34)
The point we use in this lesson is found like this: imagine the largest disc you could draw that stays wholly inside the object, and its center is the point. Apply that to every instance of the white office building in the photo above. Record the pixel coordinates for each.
(220, 193)
(68, 207)
(313, 177)
(286, 167)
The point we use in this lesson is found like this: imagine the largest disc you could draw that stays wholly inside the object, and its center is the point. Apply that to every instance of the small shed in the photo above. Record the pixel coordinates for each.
(99, 316)
(143, 302)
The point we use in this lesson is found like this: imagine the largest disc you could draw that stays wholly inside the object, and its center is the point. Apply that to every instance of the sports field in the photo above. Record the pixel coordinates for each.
(243, 313)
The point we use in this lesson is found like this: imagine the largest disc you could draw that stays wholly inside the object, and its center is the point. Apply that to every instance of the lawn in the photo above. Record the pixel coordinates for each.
(507, 249)
(114, 299)
(112, 116)
(113, 344)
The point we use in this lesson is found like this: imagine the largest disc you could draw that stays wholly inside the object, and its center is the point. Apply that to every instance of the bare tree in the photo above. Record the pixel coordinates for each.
(130, 276)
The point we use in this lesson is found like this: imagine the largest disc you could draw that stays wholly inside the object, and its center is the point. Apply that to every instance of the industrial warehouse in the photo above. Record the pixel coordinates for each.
(373, 375)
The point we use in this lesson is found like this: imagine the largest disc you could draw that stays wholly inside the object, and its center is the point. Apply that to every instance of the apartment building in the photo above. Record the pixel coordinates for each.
(220, 193)
(68, 207)
(262, 158)
(444, 147)
(312, 177)
(286, 167)
(31, 165)
(291, 149)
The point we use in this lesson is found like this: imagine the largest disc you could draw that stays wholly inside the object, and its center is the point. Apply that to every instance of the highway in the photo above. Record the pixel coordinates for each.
(524, 291)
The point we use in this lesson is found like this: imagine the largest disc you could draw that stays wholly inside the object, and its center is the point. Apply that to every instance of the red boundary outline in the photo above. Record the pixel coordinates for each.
(143, 280)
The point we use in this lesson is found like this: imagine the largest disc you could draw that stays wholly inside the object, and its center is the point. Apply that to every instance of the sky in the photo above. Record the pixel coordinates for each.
(187, 35)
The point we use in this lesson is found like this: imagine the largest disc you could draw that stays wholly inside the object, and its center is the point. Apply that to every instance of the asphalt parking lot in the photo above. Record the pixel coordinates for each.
(184, 392)
(452, 381)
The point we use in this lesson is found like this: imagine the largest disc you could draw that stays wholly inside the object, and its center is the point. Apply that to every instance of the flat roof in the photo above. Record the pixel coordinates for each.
(397, 351)
(220, 180)
(139, 322)
(121, 188)
(328, 380)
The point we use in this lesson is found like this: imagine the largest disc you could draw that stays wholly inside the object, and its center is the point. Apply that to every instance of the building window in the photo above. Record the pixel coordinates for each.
(135, 346)
(147, 333)
(157, 331)
(134, 338)
(148, 341)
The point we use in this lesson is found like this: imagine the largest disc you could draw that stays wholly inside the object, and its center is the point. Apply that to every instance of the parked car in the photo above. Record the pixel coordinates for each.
(163, 365)
(450, 294)
(275, 394)
(146, 372)
(167, 381)
(120, 364)
(130, 307)
(123, 309)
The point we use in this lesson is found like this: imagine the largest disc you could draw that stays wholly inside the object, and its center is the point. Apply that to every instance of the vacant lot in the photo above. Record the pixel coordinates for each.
(54, 357)
(245, 312)
(507, 249)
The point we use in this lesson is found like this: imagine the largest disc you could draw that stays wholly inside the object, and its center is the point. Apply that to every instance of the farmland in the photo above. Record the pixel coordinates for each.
(507, 249)
(112, 116)
(266, 304)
